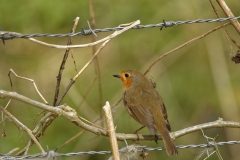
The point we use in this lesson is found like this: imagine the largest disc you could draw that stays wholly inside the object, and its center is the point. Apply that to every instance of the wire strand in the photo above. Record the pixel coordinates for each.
(6, 35)
(52, 154)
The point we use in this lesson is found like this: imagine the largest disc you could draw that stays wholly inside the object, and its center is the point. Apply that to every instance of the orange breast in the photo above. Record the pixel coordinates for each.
(127, 83)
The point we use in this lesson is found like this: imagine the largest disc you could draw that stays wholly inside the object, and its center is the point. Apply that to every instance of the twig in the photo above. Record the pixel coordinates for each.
(81, 71)
(63, 62)
(22, 126)
(28, 79)
(87, 91)
(4, 134)
(111, 131)
(183, 45)
(74, 62)
(71, 139)
(12, 151)
(96, 62)
(70, 114)
(225, 29)
(91, 60)
(90, 122)
(228, 12)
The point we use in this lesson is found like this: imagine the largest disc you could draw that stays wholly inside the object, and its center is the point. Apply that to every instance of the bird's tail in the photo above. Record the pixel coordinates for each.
(170, 147)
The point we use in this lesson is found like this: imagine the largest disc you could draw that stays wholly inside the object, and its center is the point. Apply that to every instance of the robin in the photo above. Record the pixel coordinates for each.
(146, 106)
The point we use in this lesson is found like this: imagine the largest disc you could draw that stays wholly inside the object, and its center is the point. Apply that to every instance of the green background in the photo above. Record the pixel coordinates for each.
(199, 83)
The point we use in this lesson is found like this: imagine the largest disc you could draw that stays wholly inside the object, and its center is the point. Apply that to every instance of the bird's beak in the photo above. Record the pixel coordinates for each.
(116, 75)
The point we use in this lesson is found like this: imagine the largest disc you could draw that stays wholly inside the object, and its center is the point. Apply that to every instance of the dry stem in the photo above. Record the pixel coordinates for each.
(28, 79)
(111, 131)
(224, 27)
(96, 62)
(229, 13)
(62, 66)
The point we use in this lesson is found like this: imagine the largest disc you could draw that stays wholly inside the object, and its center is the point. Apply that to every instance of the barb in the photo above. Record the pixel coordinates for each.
(54, 154)
(89, 26)
(6, 35)
(167, 24)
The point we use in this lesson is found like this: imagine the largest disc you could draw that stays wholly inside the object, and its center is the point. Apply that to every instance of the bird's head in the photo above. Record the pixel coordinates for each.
(130, 78)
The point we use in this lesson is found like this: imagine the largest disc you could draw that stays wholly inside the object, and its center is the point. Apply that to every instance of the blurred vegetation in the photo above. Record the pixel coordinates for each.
(192, 81)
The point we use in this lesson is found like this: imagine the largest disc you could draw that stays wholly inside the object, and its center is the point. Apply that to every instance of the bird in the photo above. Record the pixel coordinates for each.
(146, 106)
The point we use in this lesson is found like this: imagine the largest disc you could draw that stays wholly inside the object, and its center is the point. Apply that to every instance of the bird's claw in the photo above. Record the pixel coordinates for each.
(156, 138)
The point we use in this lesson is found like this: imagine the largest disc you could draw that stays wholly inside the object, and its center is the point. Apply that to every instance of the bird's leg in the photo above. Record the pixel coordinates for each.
(136, 132)
(156, 136)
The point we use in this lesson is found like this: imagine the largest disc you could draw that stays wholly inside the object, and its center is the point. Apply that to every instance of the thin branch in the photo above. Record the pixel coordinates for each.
(229, 13)
(81, 71)
(71, 139)
(87, 91)
(62, 66)
(74, 62)
(22, 126)
(70, 114)
(28, 79)
(224, 27)
(12, 151)
(111, 131)
(96, 62)
(91, 123)
(183, 45)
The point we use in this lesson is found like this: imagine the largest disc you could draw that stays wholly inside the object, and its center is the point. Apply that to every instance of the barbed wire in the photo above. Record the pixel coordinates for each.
(6, 35)
(52, 154)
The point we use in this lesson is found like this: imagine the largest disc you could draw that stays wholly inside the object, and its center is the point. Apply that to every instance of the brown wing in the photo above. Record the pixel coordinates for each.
(164, 111)
(138, 110)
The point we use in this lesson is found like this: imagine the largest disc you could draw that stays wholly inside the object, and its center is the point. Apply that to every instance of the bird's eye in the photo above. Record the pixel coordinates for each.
(126, 75)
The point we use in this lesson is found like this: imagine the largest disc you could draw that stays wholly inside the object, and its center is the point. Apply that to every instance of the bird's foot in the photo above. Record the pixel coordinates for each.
(156, 138)
(137, 136)
(136, 132)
